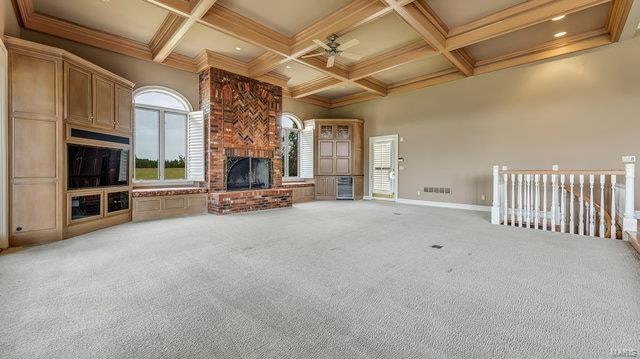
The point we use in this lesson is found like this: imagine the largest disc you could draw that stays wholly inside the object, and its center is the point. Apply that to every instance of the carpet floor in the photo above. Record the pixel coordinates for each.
(321, 280)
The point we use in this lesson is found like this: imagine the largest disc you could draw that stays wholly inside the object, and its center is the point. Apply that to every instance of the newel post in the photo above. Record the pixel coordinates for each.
(629, 221)
(495, 208)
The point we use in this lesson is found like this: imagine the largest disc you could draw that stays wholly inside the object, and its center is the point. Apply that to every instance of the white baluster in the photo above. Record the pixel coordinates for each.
(602, 208)
(544, 202)
(554, 200)
(527, 220)
(572, 228)
(581, 203)
(536, 214)
(592, 226)
(613, 207)
(505, 198)
(495, 208)
(513, 199)
(563, 205)
(520, 189)
(629, 221)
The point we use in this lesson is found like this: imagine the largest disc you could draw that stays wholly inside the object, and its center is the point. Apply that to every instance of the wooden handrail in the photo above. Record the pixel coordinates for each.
(565, 172)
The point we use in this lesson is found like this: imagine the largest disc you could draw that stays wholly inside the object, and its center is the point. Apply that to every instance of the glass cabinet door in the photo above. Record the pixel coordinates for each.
(85, 206)
(117, 201)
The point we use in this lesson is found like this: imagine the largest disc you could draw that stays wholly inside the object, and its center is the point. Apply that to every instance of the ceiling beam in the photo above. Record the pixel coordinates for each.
(315, 86)
(426, 81)
(245, 29)
(415, 14)
(546, 51)
(179, 7)
(340, 72)
(512, 19)
(355, 98)
(372, 85)
(400, 56)
(618, 18)
(174, 28)
(266, 62)
(352, 15)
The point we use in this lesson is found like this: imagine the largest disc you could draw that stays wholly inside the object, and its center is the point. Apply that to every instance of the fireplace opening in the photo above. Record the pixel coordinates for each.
(248, 173)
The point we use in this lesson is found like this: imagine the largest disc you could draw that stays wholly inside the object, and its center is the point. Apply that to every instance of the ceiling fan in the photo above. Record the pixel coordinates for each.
(333, 49)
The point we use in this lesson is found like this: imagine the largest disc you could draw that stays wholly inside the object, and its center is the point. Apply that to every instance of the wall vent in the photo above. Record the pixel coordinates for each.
(437, 190)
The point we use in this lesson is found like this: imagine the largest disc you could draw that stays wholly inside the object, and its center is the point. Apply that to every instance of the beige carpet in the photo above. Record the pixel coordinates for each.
(321, 280)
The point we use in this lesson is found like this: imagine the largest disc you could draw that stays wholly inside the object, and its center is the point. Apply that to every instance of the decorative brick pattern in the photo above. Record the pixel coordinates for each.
(242, 121)
(252, 200)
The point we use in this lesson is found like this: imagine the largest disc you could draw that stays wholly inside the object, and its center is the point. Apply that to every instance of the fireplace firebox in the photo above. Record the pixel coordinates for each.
(247, 173)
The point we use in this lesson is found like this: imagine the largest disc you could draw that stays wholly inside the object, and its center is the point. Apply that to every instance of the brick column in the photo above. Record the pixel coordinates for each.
(242, 116)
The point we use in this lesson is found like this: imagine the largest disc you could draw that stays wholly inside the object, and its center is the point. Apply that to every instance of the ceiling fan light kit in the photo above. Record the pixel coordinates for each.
(333, 49)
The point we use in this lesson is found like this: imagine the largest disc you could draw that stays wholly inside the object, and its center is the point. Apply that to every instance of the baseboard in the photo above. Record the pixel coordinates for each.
(469, 207)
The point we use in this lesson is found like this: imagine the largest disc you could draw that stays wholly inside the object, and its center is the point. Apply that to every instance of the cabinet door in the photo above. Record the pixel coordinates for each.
(326, 132)
(343, 148)
(77, 96)
(124, 108)
(325, 166)
(321, 185)
(103, 102)
(343, 166)
(34, 209)
(331, 186)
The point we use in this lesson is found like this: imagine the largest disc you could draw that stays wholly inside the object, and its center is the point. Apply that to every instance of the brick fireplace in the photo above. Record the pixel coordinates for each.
(242, 124)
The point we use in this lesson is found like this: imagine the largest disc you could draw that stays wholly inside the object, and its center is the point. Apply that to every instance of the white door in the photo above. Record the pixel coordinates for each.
(383, 167)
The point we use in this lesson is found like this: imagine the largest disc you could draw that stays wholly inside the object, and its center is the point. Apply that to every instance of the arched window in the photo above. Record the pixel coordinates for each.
(164, 127)
(291, 127)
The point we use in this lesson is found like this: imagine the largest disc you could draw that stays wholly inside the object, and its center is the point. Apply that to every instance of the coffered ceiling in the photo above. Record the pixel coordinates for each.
(404, 44)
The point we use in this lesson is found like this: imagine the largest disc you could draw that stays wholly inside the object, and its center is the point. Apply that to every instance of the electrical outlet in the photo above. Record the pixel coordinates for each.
(418, 193)
(483, 197)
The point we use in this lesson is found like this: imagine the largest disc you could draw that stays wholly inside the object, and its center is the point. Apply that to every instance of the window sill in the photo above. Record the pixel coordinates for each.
(292, 179)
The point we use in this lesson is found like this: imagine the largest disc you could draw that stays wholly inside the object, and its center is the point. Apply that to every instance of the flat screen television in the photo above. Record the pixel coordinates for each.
(90, 167)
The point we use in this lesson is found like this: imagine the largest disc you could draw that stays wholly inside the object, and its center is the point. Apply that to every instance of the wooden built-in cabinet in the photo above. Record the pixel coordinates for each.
(95, 100)
(338, 153)
(51, 92)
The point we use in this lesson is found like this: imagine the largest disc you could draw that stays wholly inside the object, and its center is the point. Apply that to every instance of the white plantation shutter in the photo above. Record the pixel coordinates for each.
(306, 153)
(195, 146)
(382, 167)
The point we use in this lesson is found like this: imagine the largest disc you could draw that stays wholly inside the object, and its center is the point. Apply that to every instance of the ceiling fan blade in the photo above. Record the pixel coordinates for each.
(331, 60)
(321, 44)
(349, 44)
(312, 55)
(351, 55)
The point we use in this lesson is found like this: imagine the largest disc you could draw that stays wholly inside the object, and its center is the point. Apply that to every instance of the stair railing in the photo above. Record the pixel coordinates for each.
(597, 203)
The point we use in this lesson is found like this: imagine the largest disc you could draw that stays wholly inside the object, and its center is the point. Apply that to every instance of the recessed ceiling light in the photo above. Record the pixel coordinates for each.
(106, 0)
(560, 34)
(288, 66)
(558, 18)
(238, 48)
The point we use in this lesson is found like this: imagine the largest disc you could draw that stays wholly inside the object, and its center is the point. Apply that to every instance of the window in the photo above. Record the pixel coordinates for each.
(168, 138)
(297, 149)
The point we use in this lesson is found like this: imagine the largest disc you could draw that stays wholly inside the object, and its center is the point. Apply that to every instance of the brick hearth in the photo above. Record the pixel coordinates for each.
(251, 200)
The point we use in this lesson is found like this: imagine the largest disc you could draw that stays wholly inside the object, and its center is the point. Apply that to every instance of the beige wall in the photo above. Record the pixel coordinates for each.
(303, 110)
(8, 21)
(581, 111)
